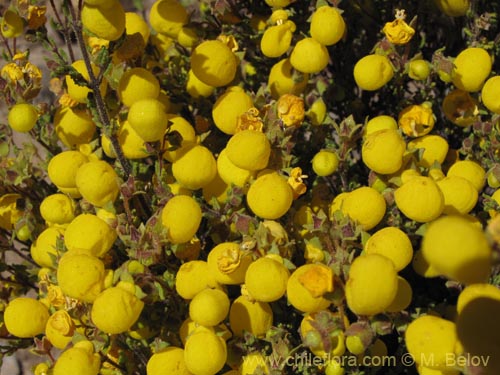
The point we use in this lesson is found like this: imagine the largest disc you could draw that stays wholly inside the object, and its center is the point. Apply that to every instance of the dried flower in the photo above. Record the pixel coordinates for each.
(398, 31)
(56, 296)
(460, 108)
(229, 260)
(296, 181)
(36, 16)
(250, 120)
(67, 101)
(291, 109)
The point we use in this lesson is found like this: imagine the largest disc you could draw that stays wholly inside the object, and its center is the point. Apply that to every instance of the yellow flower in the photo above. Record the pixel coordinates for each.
(60, 329)
(398, 31)
(250, 120)
(228, 264)
(79, 359)
(416, 120)
(291, 109)
(36, 16)
(12, 72)
(296, 181)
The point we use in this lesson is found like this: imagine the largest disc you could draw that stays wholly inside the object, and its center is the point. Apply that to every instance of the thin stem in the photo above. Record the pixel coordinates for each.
(6, 44)
(99, 101)
(14, 282)
(67, 36)
(20, 254)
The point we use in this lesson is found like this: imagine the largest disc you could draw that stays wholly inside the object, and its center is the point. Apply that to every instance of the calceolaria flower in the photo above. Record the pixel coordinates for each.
(296, 181)
(290, 109)
(398, 31)
(60, 329)
(36, 16)
(416, 120)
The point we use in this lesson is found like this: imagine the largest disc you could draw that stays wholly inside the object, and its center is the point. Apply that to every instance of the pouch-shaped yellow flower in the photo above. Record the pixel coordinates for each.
(25, 317)
(81, 275)
(181, 216)
(372, 284)
(91, 234)
(78, 360)
(167, 361)
(115, 310)
(214, 63)
(266, 279)
(251, 316)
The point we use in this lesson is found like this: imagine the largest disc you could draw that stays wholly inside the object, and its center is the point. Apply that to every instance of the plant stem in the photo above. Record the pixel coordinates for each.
(99, 101)
(66, 33)
(6, 44)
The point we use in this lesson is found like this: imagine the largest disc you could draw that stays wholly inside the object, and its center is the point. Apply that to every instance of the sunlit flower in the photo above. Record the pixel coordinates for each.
(416, 120)
(290, 109)
(36, 16)
(296, 181)
(398, 31)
